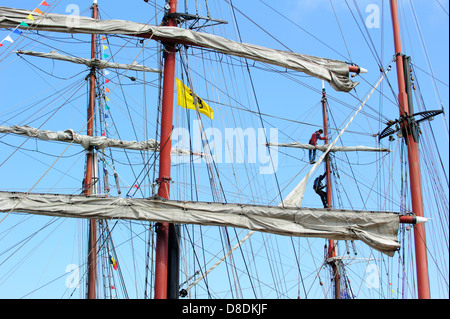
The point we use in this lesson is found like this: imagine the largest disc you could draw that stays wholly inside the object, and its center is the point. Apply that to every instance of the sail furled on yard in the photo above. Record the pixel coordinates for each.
(376, 229)
(97, 63)
(99, 142)
(334, 148)
(333, 71)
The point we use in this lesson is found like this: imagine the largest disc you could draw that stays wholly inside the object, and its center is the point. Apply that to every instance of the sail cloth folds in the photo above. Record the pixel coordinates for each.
(100, 142)
(99, 64)
(376, 229)
(334, 72)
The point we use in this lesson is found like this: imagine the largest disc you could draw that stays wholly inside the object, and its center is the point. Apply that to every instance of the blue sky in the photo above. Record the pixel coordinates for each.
(303, 26)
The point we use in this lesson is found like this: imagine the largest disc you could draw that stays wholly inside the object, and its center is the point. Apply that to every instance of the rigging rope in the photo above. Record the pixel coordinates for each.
(295, 198)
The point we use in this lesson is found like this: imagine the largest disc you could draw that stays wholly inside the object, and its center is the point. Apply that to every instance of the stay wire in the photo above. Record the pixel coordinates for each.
(301, 28)
(370, 45)
(257, 103)
(51, 74)
(185, 65)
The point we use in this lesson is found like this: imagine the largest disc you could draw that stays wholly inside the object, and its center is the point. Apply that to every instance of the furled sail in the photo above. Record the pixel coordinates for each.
(99, 64)
(333, 71)
(334, 148)
(376, 229)
(86, 141)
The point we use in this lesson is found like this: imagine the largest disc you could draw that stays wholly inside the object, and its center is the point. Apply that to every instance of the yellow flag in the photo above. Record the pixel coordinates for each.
(30, 17)
(186, 100)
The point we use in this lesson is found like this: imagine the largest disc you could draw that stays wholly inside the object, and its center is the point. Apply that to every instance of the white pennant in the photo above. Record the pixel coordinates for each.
(8, 38)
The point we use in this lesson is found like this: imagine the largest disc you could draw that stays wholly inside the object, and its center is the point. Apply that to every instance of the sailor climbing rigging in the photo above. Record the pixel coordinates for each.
(318, 188)
(313, 141)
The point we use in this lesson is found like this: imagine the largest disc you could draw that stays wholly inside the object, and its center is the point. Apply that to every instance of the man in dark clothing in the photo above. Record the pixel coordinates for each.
(313, 141)
(318, 189)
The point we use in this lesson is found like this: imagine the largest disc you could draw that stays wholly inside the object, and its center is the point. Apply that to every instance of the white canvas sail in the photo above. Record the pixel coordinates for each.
(376, 229)
(97, 63)
(334, 72)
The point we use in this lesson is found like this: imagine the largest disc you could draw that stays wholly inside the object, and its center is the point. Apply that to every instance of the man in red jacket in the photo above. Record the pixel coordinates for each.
(313, 141)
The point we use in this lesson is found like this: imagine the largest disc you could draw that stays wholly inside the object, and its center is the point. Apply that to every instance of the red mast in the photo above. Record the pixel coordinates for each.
(88, 181)
(414, 164)
(331, 242)
(162, 240)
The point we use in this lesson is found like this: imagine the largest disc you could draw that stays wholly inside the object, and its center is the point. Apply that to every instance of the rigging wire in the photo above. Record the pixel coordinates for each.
(301, 28)
(257, 104)
(54, 112)
(368, 39)
(428, 60)
(211, 164)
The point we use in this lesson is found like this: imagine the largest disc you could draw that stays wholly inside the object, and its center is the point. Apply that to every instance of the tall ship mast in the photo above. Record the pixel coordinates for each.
(193, 152)
(90, 178)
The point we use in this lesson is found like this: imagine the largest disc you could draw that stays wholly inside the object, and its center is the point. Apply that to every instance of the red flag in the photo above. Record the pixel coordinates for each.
(106, 81)
(43, 3)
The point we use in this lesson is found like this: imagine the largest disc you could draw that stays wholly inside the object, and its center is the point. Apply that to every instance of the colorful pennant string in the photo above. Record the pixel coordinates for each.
(37, 10)
(8, 38)
(105, 47)
(24, 24)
